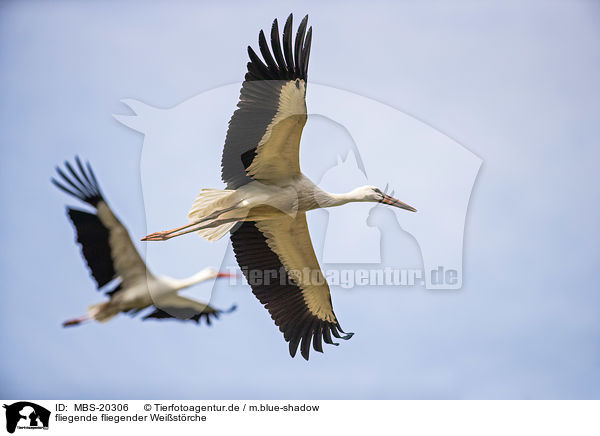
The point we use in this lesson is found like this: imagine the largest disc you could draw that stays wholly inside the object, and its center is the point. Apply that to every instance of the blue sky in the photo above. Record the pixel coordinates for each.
(514, 82)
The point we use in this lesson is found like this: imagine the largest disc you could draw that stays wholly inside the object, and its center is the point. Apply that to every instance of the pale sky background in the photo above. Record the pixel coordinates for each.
(514, 82)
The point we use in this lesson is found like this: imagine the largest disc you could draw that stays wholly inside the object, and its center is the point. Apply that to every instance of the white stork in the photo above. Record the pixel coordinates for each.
(264, 206)
(110, 254)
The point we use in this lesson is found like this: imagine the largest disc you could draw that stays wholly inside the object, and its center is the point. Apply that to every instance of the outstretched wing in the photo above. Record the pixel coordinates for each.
(93, 237)
(105, 242)
(264, 132)
(279, 262)
(177, 307)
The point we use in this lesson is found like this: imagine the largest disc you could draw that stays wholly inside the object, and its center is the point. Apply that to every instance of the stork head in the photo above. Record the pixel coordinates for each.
(373, 193)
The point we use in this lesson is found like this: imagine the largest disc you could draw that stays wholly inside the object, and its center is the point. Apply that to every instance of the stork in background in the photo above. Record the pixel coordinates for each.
(113, 260)
(264, 206)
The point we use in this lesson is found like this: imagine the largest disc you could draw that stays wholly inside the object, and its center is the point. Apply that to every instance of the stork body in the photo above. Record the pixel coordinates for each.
(116, 265)
(264, 206)
(159, 291)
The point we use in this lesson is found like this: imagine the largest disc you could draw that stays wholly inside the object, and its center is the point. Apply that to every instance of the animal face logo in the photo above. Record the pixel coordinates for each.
(26, 415)
(378, 145)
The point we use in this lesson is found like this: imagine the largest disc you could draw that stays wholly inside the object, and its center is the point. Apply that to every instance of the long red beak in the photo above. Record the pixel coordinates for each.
(223, 275)
(388, 199)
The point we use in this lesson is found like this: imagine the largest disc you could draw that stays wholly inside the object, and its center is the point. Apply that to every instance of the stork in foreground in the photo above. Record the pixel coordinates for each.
(264, 206)
(110, 254)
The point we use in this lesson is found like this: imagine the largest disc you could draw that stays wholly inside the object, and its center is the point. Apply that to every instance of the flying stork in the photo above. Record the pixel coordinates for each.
(264, 206)
(110, 254)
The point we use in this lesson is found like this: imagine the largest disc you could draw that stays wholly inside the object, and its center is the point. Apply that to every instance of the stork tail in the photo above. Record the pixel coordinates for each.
(208, 207)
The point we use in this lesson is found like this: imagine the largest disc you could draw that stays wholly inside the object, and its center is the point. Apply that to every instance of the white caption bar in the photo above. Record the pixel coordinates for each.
(21, 417)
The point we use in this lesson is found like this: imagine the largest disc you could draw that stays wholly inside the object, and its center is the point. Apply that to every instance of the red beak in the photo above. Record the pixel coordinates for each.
(388, 199)
(223, 275)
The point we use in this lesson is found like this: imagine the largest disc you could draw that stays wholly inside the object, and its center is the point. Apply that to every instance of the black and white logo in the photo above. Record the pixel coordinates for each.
(26, 415)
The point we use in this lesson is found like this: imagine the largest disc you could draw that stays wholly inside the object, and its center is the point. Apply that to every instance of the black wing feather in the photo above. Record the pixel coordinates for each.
(276, 46)
(258, 67)
(186, 314)
(287, 46)
(306, 51)
(298, 52)
(93, 237)
(87, 191)
(266, 53)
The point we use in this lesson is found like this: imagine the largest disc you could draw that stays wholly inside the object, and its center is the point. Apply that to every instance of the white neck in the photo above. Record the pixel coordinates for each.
(327, 199)
(199, 277)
